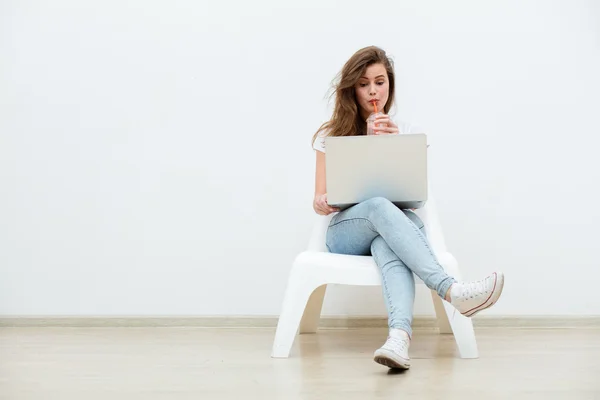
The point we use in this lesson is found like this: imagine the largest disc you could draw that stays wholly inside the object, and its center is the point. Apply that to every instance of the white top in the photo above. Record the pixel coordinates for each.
(403, 128)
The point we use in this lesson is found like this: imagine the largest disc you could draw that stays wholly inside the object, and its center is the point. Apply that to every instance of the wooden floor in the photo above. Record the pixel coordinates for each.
(207, 364)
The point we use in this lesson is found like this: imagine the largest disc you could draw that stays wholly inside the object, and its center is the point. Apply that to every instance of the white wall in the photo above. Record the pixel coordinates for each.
(155, 156)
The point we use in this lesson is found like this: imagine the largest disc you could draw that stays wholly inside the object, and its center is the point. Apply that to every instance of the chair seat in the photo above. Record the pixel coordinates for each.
(338, 268)
(331, 260)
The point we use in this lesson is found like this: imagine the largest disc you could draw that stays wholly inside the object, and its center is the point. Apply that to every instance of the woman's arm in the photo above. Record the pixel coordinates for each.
(320, 202)
(320, 186)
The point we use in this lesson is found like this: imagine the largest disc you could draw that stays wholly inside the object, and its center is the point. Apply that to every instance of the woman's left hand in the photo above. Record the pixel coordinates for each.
(386, 126)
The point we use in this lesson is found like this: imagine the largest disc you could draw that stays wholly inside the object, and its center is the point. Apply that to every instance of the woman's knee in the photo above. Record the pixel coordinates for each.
(381, 209)
(382, 252)
(378, 245)
(379, 204)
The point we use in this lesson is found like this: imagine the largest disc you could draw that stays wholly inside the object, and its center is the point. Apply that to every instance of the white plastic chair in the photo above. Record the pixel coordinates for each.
(315, 268)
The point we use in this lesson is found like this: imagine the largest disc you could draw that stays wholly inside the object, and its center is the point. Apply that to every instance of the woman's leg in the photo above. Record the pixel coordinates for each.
(398, 285)
(353, 230)
(357, 238)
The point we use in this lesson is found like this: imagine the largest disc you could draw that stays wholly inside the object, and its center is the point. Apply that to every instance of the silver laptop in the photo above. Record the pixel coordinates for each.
(391, 166)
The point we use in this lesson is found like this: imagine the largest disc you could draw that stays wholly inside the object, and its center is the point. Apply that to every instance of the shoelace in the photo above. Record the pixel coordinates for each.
(394, 343)
(472, 289)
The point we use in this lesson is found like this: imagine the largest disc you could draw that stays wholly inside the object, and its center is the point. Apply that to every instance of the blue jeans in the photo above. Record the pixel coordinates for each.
(396, 240)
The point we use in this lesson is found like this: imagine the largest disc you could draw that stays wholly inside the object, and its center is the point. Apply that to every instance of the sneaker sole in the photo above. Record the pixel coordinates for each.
(496, 292)
(391, 360)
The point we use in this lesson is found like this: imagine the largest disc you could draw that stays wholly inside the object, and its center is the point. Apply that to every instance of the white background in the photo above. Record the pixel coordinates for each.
(155, 157)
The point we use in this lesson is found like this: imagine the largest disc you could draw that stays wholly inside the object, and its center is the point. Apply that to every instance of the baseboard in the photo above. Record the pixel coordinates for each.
(327, 321)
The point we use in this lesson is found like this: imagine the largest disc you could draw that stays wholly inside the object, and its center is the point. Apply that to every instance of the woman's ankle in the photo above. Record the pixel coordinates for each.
(447, 297)
(399, 332)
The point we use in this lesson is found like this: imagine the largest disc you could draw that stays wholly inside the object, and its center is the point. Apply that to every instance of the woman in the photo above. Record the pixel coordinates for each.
(394, 237)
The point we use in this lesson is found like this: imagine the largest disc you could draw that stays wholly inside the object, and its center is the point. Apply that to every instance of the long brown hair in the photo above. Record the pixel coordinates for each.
(346, 119)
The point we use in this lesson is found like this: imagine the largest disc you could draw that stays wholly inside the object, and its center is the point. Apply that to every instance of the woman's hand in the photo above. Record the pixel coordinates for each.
(386, 126)
(321, 207)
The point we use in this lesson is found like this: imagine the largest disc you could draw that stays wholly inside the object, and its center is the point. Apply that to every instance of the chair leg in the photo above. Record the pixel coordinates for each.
(294, 303)
(462, 327)
(312, 313)
(440, 312)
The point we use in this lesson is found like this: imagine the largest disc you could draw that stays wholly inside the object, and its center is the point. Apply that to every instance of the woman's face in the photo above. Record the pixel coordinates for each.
(373, 85)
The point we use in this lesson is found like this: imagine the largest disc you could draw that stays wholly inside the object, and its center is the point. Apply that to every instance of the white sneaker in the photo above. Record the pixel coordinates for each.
(394, 353)
(471, 297)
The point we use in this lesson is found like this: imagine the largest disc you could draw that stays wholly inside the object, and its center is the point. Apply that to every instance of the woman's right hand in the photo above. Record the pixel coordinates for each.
(321, 207)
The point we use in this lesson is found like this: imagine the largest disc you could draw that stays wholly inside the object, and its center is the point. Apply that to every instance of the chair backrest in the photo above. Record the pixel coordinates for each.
(433, 228)
(428, 215)
(319, 232)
